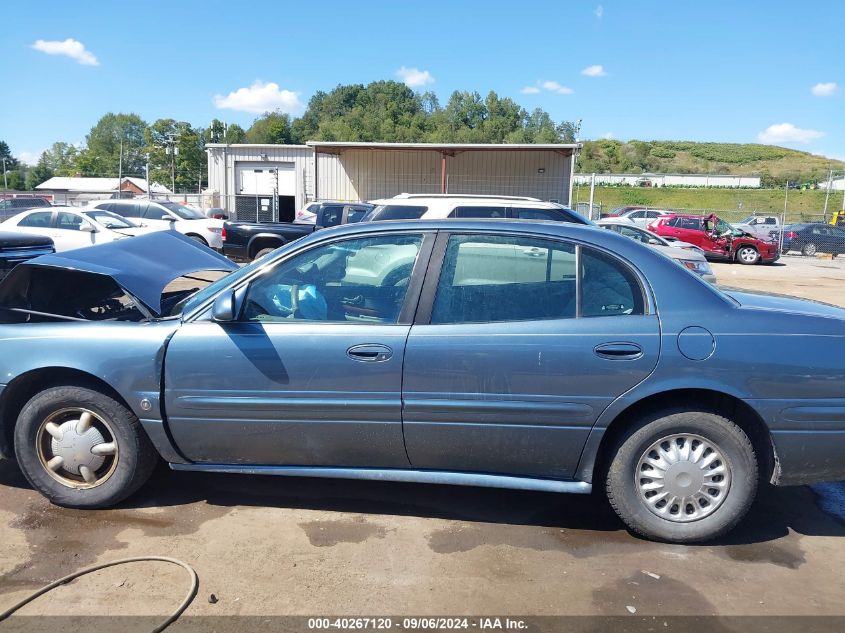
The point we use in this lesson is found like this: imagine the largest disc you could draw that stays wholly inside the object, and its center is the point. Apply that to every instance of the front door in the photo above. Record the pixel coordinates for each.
(311, 373)
(516, 352)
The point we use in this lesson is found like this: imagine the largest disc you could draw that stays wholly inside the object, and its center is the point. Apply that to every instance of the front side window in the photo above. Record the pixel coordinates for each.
(513, 278)
(71, 222)
(155, 212)
(183, 212)
(355, 281)
(39, 220)
(499, 278)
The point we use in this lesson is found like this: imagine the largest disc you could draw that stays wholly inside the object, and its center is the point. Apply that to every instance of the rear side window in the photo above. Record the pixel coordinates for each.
(332, 214)
(498, 278)
(513, 278)
(123, 209)
(692, 224)
(397, 212)
(479, 212)
(37, 220)
(608, 287)
(155, 212)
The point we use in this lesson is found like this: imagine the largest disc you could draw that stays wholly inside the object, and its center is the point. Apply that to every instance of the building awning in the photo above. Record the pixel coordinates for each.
(337, 147)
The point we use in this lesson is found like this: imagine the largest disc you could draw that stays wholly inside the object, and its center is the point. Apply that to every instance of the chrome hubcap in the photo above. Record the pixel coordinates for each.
(683, 478)
(77, 448)
(810, 249)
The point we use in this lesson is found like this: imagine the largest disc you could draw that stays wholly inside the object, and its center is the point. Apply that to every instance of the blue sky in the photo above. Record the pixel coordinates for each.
(768, 70)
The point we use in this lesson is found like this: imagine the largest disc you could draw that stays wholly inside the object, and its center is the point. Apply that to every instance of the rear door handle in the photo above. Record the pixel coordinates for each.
(371, 353)
(618, 351)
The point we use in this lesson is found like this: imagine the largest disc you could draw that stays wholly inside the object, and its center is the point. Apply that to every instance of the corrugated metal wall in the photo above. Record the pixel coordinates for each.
(370, 174)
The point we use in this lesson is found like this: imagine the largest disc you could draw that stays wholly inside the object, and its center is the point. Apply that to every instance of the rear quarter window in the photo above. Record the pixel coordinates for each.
(397, 212)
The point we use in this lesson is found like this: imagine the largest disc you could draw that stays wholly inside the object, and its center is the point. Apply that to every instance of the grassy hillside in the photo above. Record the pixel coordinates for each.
(801, 204)
(775, 165)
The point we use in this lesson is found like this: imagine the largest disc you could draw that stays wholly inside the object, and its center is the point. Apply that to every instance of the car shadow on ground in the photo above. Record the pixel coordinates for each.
(776, 512)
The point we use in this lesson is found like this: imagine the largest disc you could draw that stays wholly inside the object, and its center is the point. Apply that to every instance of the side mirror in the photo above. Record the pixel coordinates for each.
(88, 228)
(227, 306)
(654, 241)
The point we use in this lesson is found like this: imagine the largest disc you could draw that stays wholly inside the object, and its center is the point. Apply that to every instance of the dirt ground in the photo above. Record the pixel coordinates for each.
(273, 546)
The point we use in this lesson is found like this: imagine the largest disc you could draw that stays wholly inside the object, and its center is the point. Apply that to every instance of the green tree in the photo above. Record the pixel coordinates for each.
(187, 166)
(6, 154)
(40, 173)
(270, 127)
(101, 156)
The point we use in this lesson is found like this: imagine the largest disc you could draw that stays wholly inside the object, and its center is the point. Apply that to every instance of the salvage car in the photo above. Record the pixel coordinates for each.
(718, 239)
(70, 227)
(531, 355)
(814, 237)
(687, 255)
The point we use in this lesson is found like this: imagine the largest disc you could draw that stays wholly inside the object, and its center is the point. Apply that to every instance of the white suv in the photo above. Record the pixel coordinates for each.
(163, 214)
(408, 206)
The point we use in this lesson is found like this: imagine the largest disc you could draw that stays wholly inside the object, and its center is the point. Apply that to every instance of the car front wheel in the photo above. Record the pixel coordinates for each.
(809, 249)
(683, 476)
(747, 255)
(81, 448)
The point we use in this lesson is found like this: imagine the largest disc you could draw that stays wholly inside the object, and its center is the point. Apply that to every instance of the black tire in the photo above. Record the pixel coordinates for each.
(262, 253)
(809, 249)
(744, 255)
(197, 238)
(131, 466)
(623, 476)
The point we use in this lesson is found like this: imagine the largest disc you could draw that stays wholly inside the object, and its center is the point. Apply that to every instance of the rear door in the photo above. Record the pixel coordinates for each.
(515, 353)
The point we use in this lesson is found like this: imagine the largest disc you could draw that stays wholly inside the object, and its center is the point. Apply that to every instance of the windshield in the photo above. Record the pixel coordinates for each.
(186, 213)
(191, 302)
(109, 220)
(396, 212)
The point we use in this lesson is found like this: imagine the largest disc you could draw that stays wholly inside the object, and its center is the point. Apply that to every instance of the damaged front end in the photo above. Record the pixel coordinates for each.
(137, 279)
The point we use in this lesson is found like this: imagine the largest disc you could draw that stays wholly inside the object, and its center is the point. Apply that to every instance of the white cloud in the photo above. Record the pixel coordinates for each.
(260, 97)
(824, 90)
(530, 90)
(596, 70)
(28, 158)
(414, 77)
(599, 12)
(69, 48)
(553, 86)
(787, 133)
(607, 135)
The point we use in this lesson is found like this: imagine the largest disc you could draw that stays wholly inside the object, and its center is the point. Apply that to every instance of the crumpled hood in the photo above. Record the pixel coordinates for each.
(783, 303)
(143, 266)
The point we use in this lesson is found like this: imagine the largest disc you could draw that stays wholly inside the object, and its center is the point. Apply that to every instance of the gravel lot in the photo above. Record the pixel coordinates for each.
(313, 547)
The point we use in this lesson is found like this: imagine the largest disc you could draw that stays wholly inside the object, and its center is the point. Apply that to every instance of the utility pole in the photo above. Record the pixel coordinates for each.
(592, 194)
(120, 171)
(5, 182)
(147, 175)
(827, 193)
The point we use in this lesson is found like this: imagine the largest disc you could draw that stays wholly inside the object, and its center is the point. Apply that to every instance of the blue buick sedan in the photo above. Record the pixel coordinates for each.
(529, 355)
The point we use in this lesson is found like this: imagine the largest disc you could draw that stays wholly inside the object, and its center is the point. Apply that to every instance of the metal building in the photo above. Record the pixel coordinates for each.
(268, 182)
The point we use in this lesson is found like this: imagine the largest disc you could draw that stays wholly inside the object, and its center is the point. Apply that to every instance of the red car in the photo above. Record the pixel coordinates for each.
(717, 238)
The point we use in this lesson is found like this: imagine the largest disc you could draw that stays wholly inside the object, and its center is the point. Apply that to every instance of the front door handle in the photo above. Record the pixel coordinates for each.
(618, 351)
(370, 353)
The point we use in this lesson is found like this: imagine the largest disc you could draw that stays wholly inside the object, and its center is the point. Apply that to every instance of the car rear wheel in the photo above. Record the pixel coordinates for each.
(682, 476)
(197, 238)
(747, 255)
(809, 249)
(81, 448)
